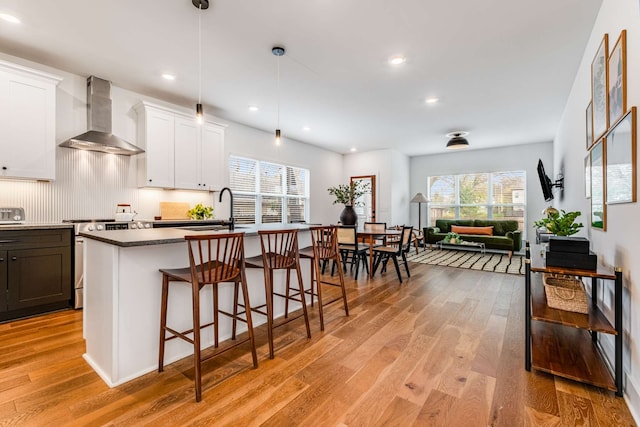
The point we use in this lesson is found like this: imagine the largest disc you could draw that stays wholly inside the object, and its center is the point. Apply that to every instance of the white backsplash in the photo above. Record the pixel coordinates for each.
(89, 185)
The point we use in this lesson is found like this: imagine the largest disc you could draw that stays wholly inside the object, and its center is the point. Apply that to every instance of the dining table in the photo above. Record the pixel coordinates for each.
(369, 237)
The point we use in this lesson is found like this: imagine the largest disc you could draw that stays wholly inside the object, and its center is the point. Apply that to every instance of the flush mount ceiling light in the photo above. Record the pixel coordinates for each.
(9, 18)
(201, 5)
(457, 141)
(168, 76)
(253, 108)
(306, 128)
(432, 100)
(278, 52)
(397, 60)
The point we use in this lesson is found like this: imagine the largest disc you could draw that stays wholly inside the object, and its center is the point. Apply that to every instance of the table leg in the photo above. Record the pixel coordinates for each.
(370, 243)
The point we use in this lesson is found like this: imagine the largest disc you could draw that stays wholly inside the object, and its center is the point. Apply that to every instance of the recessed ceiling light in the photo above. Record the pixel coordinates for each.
(253, 108)
(9, 18)
(397, 60)
(306, 128)
(353, 150)
(432, 100)
(168, 76)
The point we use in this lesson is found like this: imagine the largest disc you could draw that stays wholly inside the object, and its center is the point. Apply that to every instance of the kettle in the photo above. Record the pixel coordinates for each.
(123, 212)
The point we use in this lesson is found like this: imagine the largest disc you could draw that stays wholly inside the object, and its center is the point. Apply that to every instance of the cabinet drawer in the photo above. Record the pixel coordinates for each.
(35, 238)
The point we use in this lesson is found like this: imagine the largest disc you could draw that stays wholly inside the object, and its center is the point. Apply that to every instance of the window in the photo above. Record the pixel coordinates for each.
(267, 193)
(497, 195)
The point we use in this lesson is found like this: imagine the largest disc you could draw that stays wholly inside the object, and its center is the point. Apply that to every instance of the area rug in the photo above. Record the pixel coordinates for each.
(499, 263)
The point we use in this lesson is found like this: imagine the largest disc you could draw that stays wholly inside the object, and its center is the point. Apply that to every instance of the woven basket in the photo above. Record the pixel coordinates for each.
(565, 293)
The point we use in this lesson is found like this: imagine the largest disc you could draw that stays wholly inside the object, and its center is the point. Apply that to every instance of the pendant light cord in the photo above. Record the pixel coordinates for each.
(278, 92)
(200, 53)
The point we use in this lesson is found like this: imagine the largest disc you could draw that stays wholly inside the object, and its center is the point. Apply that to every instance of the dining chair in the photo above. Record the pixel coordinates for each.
(383, 253)
(376, 226)
(352, 252)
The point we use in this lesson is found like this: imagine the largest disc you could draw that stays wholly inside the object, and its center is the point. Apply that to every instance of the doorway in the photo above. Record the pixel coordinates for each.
(365, 206)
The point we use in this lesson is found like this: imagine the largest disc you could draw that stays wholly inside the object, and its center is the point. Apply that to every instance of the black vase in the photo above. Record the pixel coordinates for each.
(348, 216)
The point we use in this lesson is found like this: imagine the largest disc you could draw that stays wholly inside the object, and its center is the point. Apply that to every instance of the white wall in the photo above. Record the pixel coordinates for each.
(620, 243)
(90, 184)
(391, 169)
(521, 157)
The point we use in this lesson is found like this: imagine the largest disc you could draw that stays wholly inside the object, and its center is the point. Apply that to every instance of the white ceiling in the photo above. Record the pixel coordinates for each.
(502, 68)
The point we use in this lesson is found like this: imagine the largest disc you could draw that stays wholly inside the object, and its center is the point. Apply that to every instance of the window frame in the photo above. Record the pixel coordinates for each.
(284, 197)
(489, 205)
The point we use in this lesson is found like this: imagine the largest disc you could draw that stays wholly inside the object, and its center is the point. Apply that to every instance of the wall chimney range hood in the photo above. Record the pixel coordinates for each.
(99, 136)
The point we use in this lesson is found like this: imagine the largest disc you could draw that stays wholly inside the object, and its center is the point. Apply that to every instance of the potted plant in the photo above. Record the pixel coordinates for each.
(452, 238)
(560, 223)
(347, 194)
(200, 212)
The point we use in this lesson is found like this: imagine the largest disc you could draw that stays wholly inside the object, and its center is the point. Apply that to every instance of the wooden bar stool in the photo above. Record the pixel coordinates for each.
(213, 259)
(279, 252)
(324, 240)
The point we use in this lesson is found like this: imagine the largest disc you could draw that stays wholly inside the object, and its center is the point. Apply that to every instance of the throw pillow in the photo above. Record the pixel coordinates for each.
(485, 231)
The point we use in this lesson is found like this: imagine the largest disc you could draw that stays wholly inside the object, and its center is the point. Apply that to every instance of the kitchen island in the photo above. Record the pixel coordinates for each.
(123, 291)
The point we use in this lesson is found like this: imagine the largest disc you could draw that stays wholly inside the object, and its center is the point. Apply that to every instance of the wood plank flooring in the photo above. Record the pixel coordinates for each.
(445, 348)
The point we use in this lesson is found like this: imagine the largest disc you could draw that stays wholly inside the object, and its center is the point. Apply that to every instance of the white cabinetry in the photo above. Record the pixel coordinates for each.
(27, 123)
(179, 153)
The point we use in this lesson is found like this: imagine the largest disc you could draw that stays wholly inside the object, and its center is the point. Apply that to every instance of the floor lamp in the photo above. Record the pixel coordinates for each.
(419, 199)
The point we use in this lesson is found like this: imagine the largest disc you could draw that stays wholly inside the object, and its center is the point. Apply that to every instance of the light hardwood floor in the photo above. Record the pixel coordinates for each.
(444, 348)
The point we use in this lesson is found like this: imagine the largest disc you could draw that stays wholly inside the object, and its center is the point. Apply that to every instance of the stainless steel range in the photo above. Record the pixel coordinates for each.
(82, 225)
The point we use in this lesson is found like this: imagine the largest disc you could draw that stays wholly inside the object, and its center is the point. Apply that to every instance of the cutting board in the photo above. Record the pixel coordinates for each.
(174, 210)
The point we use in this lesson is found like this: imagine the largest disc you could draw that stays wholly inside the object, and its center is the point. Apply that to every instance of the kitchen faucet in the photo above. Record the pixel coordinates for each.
(231, 220)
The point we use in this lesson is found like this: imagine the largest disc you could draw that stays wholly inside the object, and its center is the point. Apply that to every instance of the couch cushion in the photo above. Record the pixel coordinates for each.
(445, 224)
(486, 231)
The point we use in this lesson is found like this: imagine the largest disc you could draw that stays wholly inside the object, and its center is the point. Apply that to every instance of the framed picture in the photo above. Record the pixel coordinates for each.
(599, 89)
(598, 207)
(620, 155)
(589, 121)
(587, 176)
(617, 79)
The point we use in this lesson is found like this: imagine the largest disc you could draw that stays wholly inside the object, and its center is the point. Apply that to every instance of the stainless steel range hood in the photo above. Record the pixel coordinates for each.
(99, 136)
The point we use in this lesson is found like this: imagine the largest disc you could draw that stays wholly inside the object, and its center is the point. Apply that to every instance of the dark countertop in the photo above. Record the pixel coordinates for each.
(34, 226)
(163, 236)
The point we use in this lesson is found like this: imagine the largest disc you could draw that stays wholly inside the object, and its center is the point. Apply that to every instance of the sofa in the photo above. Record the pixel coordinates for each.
(504, 234)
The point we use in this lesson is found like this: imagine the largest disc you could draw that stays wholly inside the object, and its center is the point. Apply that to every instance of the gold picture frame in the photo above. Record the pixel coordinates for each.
(620, 155)
(589, 122)
(599, 89)
(598, 206)
(617, 80)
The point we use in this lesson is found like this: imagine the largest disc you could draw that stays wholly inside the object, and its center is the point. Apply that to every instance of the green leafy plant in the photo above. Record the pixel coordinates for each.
(347, 194)
(200, 212)
(452, 236)
(560, 223)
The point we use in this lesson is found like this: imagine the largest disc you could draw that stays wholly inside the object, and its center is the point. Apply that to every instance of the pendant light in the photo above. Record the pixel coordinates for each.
(200, 4)
(278, 51)
(457, 141)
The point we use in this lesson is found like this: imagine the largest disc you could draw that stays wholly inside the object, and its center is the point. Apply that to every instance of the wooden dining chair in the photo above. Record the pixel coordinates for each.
(376, 226)
(383, 253)
(352, 252)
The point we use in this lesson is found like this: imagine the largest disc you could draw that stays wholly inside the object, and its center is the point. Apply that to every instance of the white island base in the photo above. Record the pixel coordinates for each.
(122, 304)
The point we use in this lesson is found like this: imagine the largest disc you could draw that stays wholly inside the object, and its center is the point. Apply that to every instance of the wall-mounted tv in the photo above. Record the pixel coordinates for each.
(545, 182)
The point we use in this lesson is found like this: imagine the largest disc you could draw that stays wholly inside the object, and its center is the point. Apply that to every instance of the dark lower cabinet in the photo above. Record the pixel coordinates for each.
(36, 272)
(3, 282)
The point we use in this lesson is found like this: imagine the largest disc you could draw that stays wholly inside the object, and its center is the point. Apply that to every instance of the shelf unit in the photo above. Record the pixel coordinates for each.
(565, 343)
